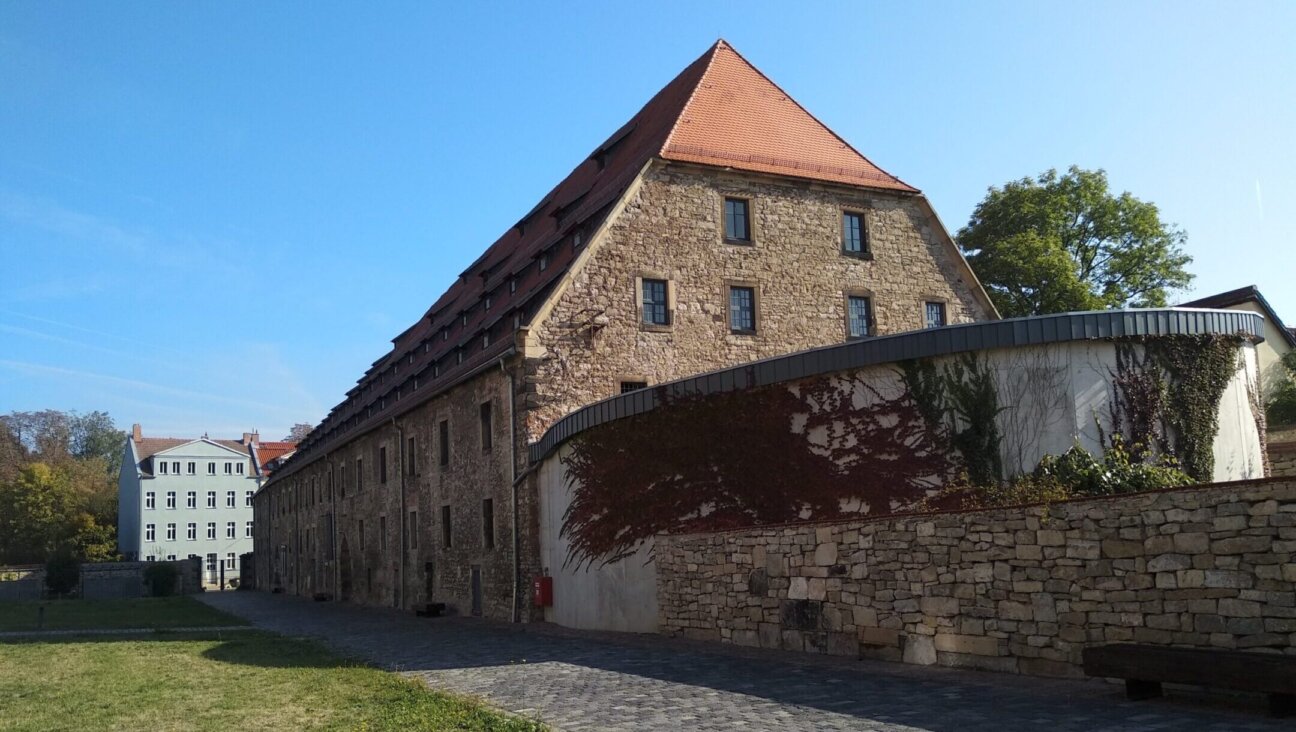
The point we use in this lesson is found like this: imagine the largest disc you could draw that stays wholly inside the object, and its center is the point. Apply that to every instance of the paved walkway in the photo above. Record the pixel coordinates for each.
(599, 681)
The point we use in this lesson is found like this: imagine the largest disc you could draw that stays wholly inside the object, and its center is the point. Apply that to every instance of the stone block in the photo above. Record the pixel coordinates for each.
(884, 637)
(826, 554)
(1192, 543)
(978, 645)
(1121, 549)
(1169, 563)
(939, 606)
(919, 650)
(798, 588)
(1230, 607)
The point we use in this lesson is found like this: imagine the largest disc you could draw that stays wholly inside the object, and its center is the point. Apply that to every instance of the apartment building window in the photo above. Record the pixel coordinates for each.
(191, 499)
(229, 560)
(191, 532)
(162, 468)
(247, 498)
(629, 386)
(412, 530)
(485, 414)
(488, 523)
(211, 468)
(150, 532)
(859, 316)
(238, 468)
(854, 234)
(175, 468)
(382, 533)
(742, 309)
(231, 530)
(410, 462)
(935, 314)
(170, 558)
(193, 468)
(231, 499)
(382, 464)
(247, 530)
(171, 532)
(211, 563)
(150, 500)
(211, 499)
(171, 499)
(656, 305)
(445, 526)
(444, 433)
(211, 530)
(229, 468)
(737, 220)
(359, 475)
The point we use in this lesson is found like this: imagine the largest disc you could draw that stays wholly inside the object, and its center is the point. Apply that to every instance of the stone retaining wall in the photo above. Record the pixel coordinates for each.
(1020, 589)
(99, 580)
(1282, 459)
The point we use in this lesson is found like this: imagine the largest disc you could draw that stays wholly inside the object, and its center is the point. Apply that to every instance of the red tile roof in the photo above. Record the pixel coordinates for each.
(268, 451)
(719, 111)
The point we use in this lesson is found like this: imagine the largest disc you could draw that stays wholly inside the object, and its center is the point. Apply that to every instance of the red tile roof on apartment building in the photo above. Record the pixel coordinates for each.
(268, 451)
(719, 111)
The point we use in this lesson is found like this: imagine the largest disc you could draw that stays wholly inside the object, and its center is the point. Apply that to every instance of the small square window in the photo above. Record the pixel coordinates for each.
(854, 234)
(656, 306)
(935, 314)
(629, 386)
(742, 309)
(860, 316)
(737, 220)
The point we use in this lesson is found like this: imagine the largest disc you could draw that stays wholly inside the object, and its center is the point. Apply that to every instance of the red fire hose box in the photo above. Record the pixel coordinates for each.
(542, 592)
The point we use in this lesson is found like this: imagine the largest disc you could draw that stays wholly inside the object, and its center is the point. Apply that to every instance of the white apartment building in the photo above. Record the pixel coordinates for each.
(182, 497)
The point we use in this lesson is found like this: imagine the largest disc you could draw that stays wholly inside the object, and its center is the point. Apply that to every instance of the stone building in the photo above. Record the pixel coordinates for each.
(722, 224)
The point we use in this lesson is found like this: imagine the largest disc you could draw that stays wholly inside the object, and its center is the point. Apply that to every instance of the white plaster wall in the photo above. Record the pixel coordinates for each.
(1238, 452)
(620, 596)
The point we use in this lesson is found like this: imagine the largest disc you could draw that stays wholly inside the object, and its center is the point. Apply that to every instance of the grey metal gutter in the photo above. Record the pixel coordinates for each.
(933, 342)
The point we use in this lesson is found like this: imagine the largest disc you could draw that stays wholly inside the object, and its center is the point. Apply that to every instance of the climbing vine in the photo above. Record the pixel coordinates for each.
(1167, 395)
(822, 449)
(961, 403)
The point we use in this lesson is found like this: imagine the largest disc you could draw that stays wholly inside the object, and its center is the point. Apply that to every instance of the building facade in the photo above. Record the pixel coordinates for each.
(722, 224)
(181, 497)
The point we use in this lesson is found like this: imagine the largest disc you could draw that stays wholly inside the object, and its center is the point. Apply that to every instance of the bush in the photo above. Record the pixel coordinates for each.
(1084, 475)
(62, 573)
(161, 578)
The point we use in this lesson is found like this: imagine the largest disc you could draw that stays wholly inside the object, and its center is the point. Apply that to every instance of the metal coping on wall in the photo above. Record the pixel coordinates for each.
(929, 343)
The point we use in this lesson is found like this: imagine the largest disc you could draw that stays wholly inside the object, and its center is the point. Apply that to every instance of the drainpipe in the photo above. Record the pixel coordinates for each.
(400, 514)
(513, 489)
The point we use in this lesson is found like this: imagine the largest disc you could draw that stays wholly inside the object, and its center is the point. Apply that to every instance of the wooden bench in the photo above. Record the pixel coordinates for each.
(1145, 668)
(431, 610)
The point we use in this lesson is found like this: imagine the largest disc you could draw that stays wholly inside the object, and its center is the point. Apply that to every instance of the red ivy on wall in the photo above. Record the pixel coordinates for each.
(762, 456)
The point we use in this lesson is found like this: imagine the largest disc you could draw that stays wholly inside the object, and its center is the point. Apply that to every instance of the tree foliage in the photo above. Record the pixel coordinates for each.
(1281, 407)
(298, 432)
(1060, 243)
(58, 485)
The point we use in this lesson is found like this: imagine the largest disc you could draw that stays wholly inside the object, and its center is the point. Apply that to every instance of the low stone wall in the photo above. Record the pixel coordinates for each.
(101, 580)
(1019, 589)
(1282, 458)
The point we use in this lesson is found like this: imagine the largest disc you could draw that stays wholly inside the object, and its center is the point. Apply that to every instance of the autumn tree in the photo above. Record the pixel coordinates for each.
(298, 432)
(1060, 243)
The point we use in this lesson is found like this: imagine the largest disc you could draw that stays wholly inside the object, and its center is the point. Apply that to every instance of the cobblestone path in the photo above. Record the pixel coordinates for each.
(602, 681)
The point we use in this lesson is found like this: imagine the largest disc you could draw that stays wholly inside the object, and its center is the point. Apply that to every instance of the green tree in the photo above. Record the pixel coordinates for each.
(1060, 243)
(1281, 409)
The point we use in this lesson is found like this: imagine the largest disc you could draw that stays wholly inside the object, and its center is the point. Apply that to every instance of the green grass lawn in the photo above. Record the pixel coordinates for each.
(144, 612)
(247, 681)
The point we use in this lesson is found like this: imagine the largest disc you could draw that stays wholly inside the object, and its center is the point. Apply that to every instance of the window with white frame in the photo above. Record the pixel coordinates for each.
(150, 532)
(162, 468)
(175, 467)
(247, 498)
(191, 532)
(191, 499)
(247, 530)
(150, 500)
(171, 499)
(171, 532)
(231, 499)
(231, 530)
(211, 468)
(229, 560)
(860, 316)
(211, 529)
(193, 468)
(211, 499)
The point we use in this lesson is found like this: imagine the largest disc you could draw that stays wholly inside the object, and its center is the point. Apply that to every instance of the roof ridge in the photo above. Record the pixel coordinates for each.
(720, 43)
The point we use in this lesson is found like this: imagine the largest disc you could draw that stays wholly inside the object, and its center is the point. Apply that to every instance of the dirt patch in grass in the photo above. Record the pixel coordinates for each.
(143, 612)
(249, 680)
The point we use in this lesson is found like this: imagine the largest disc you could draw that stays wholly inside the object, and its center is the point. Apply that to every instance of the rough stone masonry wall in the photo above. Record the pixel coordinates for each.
(1282, 459)
(672, 229)
(1017, 589)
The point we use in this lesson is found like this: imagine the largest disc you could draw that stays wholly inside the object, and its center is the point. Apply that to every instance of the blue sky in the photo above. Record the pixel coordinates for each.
(214, 216)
